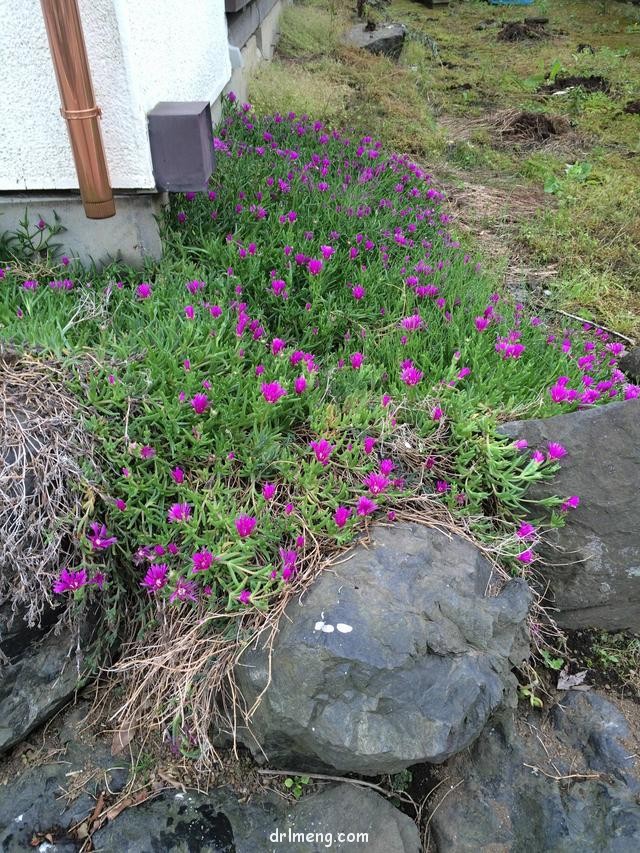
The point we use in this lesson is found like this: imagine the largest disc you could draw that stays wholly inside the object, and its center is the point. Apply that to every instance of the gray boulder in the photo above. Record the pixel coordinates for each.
(217, 823)
(386, 39)
(38, 672)
(630, 364)
(502, 795)
(593, 563)
(394, 656)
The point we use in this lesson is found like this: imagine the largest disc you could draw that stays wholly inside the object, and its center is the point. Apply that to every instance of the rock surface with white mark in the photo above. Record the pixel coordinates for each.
(419, 659)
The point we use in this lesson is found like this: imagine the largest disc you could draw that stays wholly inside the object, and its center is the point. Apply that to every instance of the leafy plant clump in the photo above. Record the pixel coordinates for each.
(313, 352)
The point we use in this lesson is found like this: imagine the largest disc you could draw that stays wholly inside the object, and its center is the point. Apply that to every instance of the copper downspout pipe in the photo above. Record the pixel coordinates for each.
(69, 54)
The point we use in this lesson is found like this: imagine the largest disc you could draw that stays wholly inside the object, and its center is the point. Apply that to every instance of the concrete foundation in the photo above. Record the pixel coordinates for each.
(131, 235)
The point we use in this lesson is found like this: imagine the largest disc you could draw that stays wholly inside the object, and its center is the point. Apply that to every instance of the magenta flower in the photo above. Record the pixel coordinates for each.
(288, 509)
(120, 504)
(386, 399)
(537, 456)
(341, 515)
(245, 525)
(189, 312)
(442, 486)
(365, 506)
(70, 581)
(571, 503)
(147, 452)
(272, 391)
(411, 323)
(356, 360)
(199, 403)
(155, 578)
(410, 375)
(288, 558)
(202, 560)
(179, 512)
(143, 291)
(268, 491)
(555, 450)
(315, 266)
(481, 323)
(322, 449)
(386, 466)
(526, 556)
(437, 414)
(245, 596)
(526, 531)
(358, 292)
(194, 286)
(300, 384)
(369, 444)
(99, 537)
(521, 444)
(376, 483)
(184, 591)
(277, 345)
(177, 475)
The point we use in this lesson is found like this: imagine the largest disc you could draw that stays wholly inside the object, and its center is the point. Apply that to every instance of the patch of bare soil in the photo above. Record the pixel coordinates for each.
(633, 107)
(525, 126)
(532, 29)
(594, 83)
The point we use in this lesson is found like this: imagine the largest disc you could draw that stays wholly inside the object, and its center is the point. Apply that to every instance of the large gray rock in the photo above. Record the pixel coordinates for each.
(630, 364)
(593, 563)
(386, 39)
(38, 672)
(217, 823)
(394, 656)
(502, 796)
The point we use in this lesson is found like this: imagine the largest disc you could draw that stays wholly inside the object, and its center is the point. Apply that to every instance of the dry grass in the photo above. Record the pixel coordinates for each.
(41, 480)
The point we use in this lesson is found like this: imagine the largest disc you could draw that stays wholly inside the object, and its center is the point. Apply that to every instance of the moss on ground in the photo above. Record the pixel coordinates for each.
(439, 104)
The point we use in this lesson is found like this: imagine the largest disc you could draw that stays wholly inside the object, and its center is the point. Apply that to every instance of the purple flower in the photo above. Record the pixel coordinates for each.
(245, 525)
(356, 360)
(189, 312)
(199, 403)
(409, 374)
(437, 414)
(411, 323)
(202, 560)
(143, 291)
(288, 558)
(521, 444)
(120, 504)
(481, 323)
(526, 556)
(179, 512)
(30, 284)
(322, 449)
(70, 581)
(537, 456)
(245, 596)
(369, 444)
(277, 345)
(526, 531)
(571, 503)
(147, 452)
(555, 450)
(300, 384)
(358, 292)
(177, 475)
(99, 537)
(272, 391)
(268, 491)
(442, 486)
(315, 266)
(184, 591)
(365, 506)
(386, 466)
(341, 515)
(376, 483)
(155, 578)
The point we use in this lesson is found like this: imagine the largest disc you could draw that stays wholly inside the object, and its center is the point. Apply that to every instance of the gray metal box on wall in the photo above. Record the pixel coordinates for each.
(181, 139)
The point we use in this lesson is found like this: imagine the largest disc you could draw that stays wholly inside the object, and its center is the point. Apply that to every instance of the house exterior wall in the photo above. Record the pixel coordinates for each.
(140, 52)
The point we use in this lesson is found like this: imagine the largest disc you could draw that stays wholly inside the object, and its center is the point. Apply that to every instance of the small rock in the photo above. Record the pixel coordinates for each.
(386, 39)
(426, 663)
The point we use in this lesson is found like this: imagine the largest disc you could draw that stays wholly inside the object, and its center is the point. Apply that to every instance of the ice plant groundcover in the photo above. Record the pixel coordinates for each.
(314, 352)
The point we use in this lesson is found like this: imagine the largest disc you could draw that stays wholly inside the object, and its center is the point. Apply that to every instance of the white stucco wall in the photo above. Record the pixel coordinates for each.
(140, 52)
